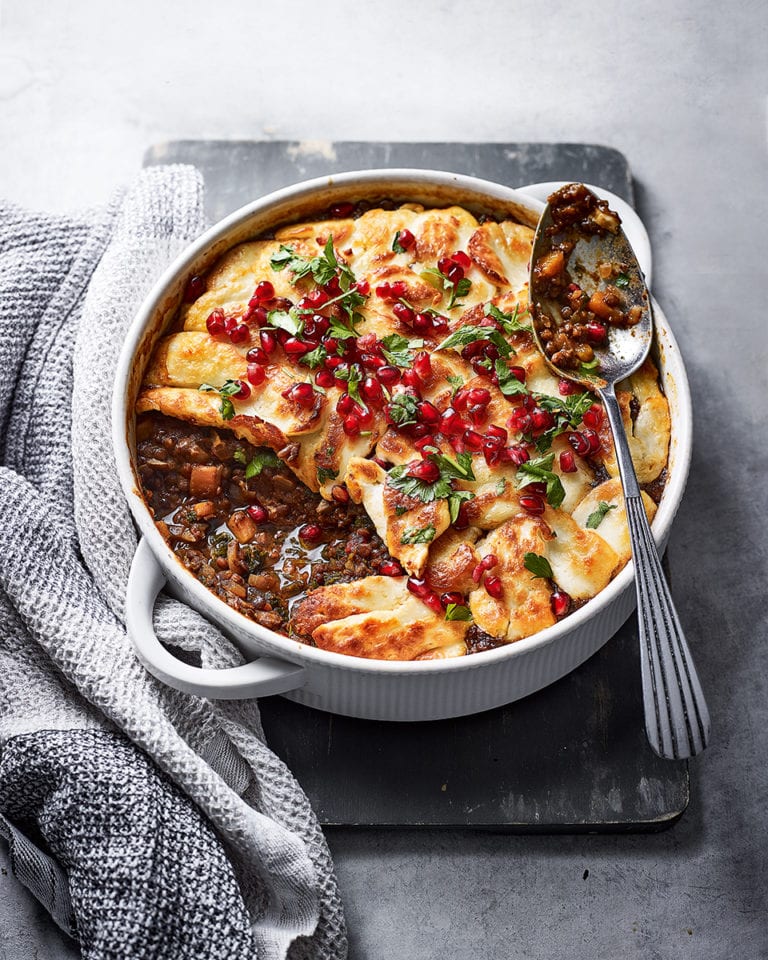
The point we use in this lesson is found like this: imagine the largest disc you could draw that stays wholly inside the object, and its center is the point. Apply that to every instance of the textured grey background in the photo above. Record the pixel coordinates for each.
(681, 90)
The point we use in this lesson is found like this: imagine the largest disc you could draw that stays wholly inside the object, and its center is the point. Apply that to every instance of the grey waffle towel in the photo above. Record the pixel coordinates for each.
(150, 823)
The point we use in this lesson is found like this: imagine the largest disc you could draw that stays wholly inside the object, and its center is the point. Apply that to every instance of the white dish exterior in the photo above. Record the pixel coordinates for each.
(375, 689)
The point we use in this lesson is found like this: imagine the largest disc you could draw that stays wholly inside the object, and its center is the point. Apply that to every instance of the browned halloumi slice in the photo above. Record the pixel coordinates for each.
(613, 527)
(398, 519)
(377, 618)
(524, 606)
(649, 434)
(582, 561)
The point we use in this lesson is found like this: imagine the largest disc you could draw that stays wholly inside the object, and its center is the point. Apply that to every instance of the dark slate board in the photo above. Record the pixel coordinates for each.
(570, 758)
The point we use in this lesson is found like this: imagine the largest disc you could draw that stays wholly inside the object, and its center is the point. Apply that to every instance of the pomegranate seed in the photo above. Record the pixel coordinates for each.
(439, 326)
(579, 442)
(458, 444)
(494, 587)
(256, 374)
(517, 455)
(419, 588)
(195, 289)
(388, 375)
(239, 333)
(257, 355)
(537, 487)
(391, 568)
(301, 393)
(594, 416)
(351, 425)
(474, 349)
(428, 412)
(566, 388)
(333, 287)
(567, 462)
(593, 440)
(268, 341)
(295, 347)
(452, 596)
(420, 430)
(460, 399)
(255, 314)
(488, 562)
(399, 289)
(215, 323)
(243, 392)
(384, 291)
(542, 419)
(331, 344)
(533, 504)
(310, 531)
(478, 414)
(257, 513)
(333, 363)
(520, 421)
(324, 378)
(425, 593)
(479, 396)
(422, 365)
(559, 602)
(444, 264)
(264, 291)
(380, 463)
(411, 379)
(372, 362)
(370, 390)
(491, 452)
(518, 373)
(340, 494)
(455, 273)
(462, 520)
(403, 313)
(473, 440)
(406, 239)
(462, 259)
(368, 343)
(451, 423)
(499, 433)
(596, 332)
(424, 470)
(424, 443)
(422, 323)
(315, 326)
(347, 404)
(340, 211)
(362, 287)
(317, 298)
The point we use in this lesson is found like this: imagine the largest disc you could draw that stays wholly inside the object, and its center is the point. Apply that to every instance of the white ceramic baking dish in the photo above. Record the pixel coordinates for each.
(386, 690)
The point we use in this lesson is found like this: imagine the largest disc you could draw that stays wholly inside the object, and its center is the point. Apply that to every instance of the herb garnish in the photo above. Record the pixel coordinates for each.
(396, 245)
(595, 519)
(397, 349)
(465, 335)
(510, 322)
(538, 565)
(509, 385)
(261, 459)
(403, 410)
(622, 280)
(538, 471)
(440, 282)
(315, 358)
(324, 474)
(228, 389)
(442, 488)
(457, 611)
(353, 376)
(414, 535)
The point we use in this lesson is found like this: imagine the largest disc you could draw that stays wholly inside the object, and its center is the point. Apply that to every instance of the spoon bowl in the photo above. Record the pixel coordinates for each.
(581, 258)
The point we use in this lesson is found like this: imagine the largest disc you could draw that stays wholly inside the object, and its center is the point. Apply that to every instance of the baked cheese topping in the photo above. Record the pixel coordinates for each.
(387, 360)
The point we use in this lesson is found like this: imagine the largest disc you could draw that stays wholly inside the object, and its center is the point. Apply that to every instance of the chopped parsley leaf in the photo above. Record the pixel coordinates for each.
(595, 519)
(457, 611)
(414, 535)
(538, 565)
(540, 470)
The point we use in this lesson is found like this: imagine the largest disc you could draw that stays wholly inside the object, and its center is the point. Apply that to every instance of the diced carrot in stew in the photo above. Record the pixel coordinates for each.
(204, 480)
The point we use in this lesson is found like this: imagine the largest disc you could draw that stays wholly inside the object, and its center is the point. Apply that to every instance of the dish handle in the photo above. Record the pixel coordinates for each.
(258, 678)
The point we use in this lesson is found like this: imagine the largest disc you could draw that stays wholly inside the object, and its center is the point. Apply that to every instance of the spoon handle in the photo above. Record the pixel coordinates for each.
(676, 714)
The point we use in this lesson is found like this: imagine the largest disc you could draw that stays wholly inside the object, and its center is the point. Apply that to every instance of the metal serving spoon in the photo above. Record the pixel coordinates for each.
(676, 714)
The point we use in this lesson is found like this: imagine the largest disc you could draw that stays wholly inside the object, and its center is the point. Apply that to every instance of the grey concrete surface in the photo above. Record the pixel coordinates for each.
(681, 89)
